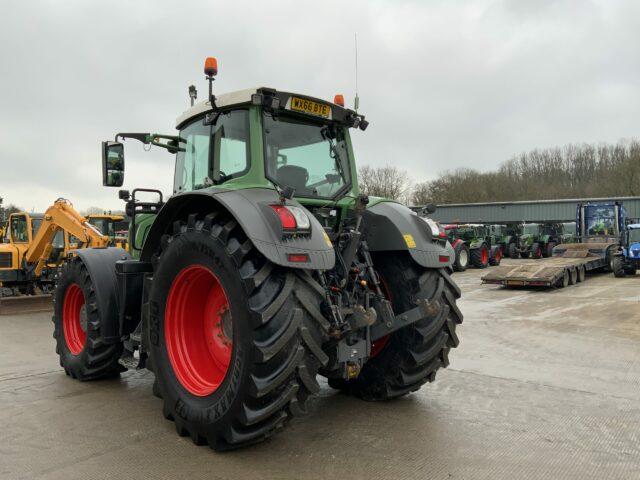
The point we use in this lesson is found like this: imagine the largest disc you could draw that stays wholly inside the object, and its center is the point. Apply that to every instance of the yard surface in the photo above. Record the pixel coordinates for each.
(544, 384)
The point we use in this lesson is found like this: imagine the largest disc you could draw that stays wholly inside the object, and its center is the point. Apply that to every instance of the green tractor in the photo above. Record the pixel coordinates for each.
(567, 232)
(266, 267)
(507, 237)
(537, 240)
(476, 240)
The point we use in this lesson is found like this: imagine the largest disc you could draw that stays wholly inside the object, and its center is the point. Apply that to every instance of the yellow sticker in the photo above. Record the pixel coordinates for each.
(408, 238)
(327, 239)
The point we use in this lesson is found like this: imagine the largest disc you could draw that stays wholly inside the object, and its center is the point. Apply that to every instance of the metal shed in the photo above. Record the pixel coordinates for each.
(563, 210)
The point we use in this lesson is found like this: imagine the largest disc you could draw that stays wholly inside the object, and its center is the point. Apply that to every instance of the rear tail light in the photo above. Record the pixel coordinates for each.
(292, 218)
(444, 259)
(298, 257)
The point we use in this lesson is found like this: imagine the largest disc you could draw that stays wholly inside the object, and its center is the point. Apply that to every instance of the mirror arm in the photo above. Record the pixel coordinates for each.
(154, 139)
(143, 137)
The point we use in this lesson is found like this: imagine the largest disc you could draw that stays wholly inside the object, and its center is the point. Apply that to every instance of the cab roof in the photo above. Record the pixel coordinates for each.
(245, 97)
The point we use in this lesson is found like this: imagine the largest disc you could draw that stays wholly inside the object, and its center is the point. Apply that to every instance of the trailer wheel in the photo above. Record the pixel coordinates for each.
(233, 345)
(513, 251)
(617, 265)
(548, 251)
(582, 273)
(480, 256)
(413, 354)
(563, 281)
(573, 276)
(77, 327)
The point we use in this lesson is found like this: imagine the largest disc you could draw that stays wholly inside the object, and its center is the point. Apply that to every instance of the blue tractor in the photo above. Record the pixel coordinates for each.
(627, 260)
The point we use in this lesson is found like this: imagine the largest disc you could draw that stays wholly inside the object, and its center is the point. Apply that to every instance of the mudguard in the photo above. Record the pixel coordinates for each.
(390, 226)
(250, 208)
(101, 265)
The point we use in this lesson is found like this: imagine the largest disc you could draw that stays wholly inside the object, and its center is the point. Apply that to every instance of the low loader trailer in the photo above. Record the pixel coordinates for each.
(599, 226)
(563, 269)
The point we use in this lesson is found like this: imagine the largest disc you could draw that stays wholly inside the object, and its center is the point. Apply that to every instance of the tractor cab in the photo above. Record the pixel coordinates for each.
(260, 138)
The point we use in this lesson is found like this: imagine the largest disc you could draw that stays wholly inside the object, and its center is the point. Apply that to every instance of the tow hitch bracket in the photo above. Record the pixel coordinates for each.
(424, 309)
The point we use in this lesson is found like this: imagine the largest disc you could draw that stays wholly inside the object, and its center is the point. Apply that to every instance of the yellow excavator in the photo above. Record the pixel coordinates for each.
(34, 246)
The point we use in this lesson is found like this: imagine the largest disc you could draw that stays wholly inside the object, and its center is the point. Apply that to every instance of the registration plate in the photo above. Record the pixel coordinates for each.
(515, 283)
(308, 106)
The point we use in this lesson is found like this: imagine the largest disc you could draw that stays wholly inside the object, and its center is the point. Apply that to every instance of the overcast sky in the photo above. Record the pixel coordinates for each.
(445, 84)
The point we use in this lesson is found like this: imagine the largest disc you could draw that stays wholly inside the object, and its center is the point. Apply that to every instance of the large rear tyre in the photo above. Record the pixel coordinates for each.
(480, 256)
(462, 257)
(233, 345)
(77, 327)
(411, 356)
(513, 251)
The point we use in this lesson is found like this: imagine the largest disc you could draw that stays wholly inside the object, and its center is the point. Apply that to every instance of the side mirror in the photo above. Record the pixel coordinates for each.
(112, 164)
(430, 208)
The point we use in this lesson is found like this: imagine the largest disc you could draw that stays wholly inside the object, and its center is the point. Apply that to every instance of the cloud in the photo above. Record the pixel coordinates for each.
(445, 84)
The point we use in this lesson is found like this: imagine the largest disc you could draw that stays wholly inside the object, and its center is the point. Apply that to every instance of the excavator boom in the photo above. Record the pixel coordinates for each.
(61, 216)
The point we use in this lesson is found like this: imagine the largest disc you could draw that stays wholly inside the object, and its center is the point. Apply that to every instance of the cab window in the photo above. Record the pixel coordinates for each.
(230, 137)
(212, 154)
(35, 226)
(192, 160)
(19, 232)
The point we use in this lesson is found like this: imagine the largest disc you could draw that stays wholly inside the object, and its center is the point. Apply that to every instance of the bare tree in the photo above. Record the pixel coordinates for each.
(388, 182)
(570, 172)
(92, 211)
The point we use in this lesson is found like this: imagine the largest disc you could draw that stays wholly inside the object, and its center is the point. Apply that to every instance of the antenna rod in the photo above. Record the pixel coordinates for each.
(356, 101)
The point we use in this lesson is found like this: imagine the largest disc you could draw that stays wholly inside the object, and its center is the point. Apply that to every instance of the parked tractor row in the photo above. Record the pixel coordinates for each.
(481, 245)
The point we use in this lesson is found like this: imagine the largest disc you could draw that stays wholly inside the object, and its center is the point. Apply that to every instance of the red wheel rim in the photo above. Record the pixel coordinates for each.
(378, 345)
(485, 255)
(72, 313)
(498, 255)
(198, 330)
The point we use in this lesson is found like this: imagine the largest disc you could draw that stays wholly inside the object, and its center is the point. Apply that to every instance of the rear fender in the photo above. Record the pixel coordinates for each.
(390, 226)
(250, 208)
(101, 265)
(456, 242)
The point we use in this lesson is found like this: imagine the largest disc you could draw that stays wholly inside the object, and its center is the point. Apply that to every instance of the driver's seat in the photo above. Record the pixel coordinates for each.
(293, 176)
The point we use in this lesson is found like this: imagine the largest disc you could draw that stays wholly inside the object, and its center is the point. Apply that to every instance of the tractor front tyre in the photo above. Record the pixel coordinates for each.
(536, 251)
(77, 321)
(496, 255)
(462, 257)
(480, 256)
(513, 251)
(617, 265)
(409, 357)
(233, 345)
(548, 250)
